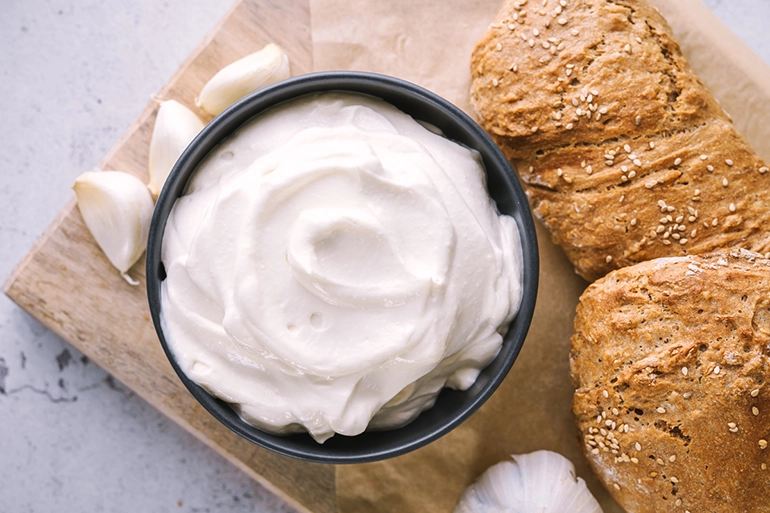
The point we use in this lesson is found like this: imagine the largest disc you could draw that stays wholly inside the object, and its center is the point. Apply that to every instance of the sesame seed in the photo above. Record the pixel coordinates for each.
(534, 129)
(677, 161)
(615, 411)
(731, 424)
(684, 371)
(660, 229)
(672, 459)
(732, 207)
(638, 446)
(710, 167)
(659, 461)
(637, 163)
(652, 145)
(495, 82)
(763, 444)
(703, 157)
(679, 219)
(589, 169)
(594, 92)
(755, 410)
(511, 26)
(546, 45)
(603, 110)
(632, 174)
(725, 183)
(651, 184)
(638, 118)
(763, 170)
(728, 162)
(608, 259)
(697, 192)
(616, 486)
(498, 47)
(627, 148)
(623, 178)
(675, 236)
(562, 21)
(627, 48)
(531, 43)
(569, 126)
(594, 451)
(535, 32)
(634, 460)
(717, 369)
(715, 222)
(638, 39)
(575, 32)
(661, 409)
(755, 392)
(673, 479)
(575, 102)
(633, 222)
(678, 502)
(579, 111)
(559, 172)
(653, 474)
(687, 395)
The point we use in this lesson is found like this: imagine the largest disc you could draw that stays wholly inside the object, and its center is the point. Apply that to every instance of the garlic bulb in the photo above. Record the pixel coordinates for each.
(175, 127)
(539, 482)
(233, 82)
(117, 208)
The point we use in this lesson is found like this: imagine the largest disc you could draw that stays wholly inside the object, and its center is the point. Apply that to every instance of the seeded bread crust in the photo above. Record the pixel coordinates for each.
(624, 154)
(671, 364)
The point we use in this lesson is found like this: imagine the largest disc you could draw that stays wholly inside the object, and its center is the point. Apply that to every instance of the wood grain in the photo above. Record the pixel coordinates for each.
(67, 284)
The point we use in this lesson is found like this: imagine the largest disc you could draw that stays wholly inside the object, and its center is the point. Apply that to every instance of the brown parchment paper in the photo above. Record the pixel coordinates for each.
(429, 42)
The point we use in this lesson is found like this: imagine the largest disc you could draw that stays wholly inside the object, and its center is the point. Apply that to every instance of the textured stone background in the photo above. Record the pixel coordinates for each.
(74, 75)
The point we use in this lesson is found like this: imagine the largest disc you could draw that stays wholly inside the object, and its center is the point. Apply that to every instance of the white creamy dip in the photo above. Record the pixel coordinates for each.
(333, 265)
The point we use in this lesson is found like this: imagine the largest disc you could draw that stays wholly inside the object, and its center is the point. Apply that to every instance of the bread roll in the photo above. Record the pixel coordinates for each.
(671, 364)
(624, 154)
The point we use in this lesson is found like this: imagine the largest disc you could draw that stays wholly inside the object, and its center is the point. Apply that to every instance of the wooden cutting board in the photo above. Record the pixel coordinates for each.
(67, 284)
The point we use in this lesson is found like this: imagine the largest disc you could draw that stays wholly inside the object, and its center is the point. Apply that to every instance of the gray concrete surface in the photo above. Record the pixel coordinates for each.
(73, 75)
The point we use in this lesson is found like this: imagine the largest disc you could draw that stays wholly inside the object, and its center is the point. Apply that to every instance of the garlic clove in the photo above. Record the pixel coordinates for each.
(175, 127)
(117, 209)
(539, 482)
(233, 82)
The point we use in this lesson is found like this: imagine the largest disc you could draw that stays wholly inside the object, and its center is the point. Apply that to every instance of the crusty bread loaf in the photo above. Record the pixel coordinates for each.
(671, 364)
(624, 154)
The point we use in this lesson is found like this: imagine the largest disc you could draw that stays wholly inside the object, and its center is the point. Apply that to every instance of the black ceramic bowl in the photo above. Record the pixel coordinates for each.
(452, 407)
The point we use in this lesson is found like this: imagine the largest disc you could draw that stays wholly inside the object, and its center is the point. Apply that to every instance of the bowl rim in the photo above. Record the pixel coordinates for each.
(258, 102)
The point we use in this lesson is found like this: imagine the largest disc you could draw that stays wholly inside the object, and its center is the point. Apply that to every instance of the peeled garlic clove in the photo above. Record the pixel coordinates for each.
(539, 482)
(233, 82)
(117, 209)
(175, 127)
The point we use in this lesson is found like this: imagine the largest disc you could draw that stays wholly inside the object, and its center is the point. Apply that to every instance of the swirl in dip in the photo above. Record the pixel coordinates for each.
(334, 264)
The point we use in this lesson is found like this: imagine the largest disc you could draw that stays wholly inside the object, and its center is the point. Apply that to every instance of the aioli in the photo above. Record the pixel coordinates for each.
(333, 265)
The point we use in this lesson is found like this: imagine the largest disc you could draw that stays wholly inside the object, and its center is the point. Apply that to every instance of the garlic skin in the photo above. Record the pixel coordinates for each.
(539, 482)
(233, 82)
(175, 127)
(117, 209)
